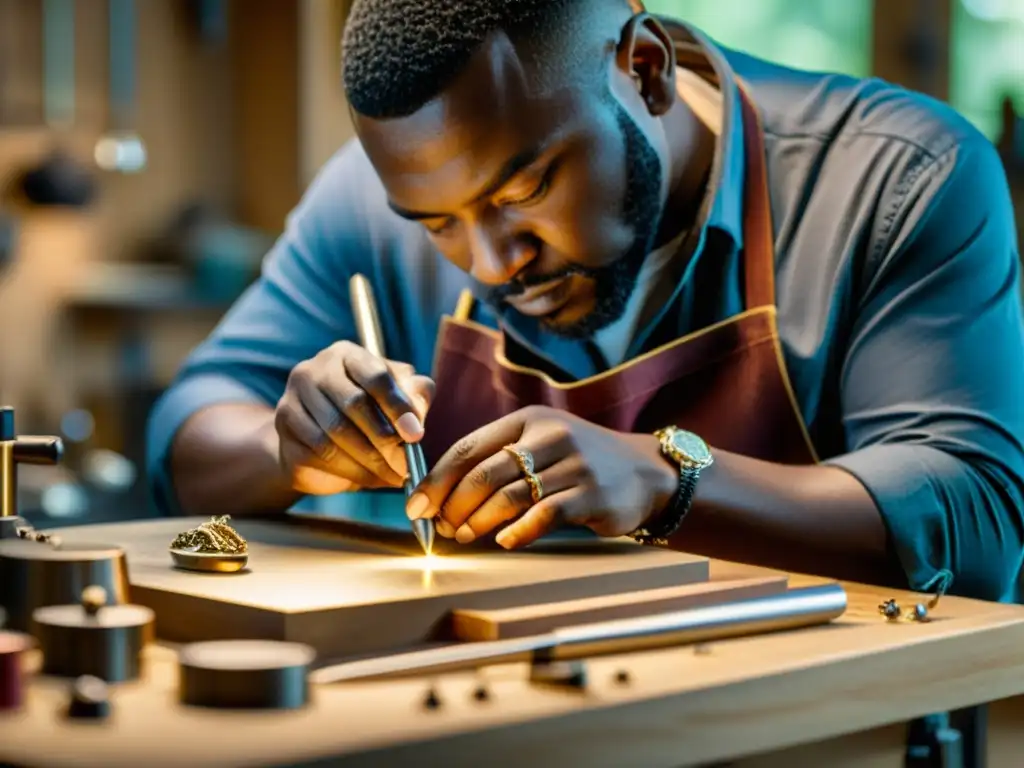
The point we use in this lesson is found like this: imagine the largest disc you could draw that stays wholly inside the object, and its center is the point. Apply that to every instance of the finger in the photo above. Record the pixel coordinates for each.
(374, 377)
(490, 476)
(541, 519)
(421, 391)
(314, 469)
(379, 441)
(315, 482)
(515, 500)
(348, 434)
(458, 460)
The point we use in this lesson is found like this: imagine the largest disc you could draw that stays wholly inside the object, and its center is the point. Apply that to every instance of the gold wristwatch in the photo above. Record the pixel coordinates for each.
(692, 455)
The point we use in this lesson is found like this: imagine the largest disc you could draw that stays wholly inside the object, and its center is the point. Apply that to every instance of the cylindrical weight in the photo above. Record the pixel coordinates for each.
(34, 575)
(245, 674)
(12, 676)
(87, 639)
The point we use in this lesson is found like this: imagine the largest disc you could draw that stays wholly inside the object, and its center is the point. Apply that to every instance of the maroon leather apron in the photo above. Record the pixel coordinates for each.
(726, 383)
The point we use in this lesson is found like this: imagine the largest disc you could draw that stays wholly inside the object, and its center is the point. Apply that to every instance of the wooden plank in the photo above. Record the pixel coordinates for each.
(482, 625)
(346, 597)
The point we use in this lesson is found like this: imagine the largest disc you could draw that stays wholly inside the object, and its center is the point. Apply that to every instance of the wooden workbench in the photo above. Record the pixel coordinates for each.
(831, 696)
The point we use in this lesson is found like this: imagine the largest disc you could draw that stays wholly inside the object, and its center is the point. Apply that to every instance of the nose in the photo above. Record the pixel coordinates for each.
(496, 259)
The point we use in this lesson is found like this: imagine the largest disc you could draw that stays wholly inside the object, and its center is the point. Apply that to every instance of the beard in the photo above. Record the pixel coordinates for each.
(613, 283)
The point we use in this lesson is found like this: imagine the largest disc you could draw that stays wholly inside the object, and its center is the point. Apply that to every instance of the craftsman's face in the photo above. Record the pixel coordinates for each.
(552, 200)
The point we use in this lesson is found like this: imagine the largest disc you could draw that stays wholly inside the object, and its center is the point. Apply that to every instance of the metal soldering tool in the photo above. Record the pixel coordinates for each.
(368, 324)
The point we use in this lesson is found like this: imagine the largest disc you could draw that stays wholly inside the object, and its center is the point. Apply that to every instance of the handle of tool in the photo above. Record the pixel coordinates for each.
(372, 339)
(367, 320)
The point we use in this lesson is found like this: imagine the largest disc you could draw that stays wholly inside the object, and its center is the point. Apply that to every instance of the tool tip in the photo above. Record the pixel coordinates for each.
(424, 530)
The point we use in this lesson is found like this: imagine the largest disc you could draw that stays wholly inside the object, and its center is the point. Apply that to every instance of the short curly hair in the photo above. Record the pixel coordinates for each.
(398, 55)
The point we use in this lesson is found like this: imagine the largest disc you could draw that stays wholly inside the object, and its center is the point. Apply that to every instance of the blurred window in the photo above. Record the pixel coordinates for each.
(817, 35)
(988, 60)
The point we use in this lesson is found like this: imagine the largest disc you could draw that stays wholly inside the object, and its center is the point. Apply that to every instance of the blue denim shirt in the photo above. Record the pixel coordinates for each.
(897, 286)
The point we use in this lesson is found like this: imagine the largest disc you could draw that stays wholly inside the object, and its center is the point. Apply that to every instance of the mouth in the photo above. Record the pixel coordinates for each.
(540, 300)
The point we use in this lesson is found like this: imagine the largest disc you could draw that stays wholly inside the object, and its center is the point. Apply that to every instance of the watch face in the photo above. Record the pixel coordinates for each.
(692, 446)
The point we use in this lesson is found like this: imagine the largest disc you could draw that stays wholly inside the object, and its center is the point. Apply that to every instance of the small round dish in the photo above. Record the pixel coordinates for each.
(209, 562)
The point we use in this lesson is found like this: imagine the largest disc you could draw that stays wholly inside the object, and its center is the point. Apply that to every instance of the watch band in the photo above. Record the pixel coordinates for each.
(691, 455)
(658, 531)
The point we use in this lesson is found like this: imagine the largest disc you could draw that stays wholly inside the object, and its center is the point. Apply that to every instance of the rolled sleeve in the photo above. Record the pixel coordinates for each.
(190, 396)
(933, 380)
(296, 308)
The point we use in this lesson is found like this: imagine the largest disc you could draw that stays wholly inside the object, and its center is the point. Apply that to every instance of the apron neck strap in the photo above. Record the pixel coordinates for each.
(758, 234)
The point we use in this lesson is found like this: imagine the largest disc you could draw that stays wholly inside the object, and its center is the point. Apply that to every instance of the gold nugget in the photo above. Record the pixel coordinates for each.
(215, 538)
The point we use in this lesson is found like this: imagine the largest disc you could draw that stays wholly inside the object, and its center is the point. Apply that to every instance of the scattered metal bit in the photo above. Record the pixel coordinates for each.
(892, 612)
(622, 677)
(432, 700)
(215, 538)
(29, 533)
(920, 613)
(481, 693)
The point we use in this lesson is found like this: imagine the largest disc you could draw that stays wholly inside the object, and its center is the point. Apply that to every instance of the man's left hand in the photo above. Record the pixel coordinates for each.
(611, 482)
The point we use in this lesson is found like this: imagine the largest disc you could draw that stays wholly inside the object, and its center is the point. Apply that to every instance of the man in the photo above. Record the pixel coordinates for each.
(756, 313)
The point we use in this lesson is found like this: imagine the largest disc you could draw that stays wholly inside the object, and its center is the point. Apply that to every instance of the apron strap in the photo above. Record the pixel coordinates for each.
(758, 235)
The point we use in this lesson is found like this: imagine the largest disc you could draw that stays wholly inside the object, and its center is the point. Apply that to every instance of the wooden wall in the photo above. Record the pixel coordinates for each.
(221, 125)
(244, 125)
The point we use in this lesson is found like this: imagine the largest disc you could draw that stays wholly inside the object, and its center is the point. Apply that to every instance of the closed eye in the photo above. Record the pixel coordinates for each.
(442, 228)
(538, 192)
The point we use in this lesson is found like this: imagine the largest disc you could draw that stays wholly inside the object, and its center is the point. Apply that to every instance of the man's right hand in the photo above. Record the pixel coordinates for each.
(343, 418)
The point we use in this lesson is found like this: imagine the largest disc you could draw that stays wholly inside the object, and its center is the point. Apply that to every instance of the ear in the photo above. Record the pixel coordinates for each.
(647, 54)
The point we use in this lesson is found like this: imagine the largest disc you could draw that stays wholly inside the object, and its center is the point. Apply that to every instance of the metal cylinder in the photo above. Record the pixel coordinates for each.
(8, 480)
(796, 608)
(106, 644)
(245, 674)
(12, 676)
(34, 575)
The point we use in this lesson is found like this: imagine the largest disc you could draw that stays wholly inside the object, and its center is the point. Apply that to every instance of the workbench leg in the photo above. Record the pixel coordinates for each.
(954, 740)
(973, 726)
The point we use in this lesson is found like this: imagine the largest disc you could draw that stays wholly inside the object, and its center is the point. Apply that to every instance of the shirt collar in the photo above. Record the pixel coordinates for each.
(723, 203)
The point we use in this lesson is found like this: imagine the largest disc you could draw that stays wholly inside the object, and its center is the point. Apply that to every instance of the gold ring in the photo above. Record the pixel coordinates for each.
(524, 459)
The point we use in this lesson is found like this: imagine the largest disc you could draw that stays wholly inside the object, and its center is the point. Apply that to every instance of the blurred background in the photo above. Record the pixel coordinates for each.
(151, 149)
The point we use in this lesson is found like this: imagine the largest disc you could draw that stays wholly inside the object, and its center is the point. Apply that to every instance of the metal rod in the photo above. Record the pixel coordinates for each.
(364, 307)
(368, 325)
(790, 610)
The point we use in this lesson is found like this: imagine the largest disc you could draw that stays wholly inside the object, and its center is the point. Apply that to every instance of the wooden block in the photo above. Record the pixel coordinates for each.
(345, 597)
(529, 620)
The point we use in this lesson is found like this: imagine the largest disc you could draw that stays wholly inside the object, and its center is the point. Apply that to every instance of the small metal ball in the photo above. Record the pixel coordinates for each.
(481, 693)
(93, 598)
(622, 677)
(920, 613)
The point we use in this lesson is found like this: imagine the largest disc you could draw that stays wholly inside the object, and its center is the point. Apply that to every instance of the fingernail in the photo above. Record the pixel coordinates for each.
(465, 534)
(417, 506)
(445, 529)
(409, 427)
(505, 539)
